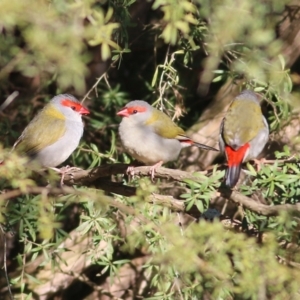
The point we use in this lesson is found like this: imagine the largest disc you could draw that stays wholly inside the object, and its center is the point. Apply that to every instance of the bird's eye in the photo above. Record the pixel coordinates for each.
(135, 111)
(73, 107)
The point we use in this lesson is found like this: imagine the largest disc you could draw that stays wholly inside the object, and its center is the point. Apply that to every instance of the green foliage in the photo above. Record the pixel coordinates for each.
(177, 20)
(201, 193)
(183, 256)
(52, 38)
(248, 42)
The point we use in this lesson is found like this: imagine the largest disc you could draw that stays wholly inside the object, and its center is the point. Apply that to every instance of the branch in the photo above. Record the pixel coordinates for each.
(9, 100)
(167, 201)
(84, 177)
(96, 177)
(90, 176)
(163, 200)
(260, 208)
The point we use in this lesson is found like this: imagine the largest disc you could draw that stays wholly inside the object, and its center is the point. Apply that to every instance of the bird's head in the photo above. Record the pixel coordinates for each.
(136, 111)
(69, 107)
(248, 96)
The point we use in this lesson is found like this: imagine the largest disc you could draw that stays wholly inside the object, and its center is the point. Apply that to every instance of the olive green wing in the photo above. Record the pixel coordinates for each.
(164, 126)
(40, 133)
(242, 132)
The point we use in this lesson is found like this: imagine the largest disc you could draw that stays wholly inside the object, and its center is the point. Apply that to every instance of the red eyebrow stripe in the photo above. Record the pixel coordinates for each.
(70, 103)
(137, 108)
(78, 107)
(128, 111)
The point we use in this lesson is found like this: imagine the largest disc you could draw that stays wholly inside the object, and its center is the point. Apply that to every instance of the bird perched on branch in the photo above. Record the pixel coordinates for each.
(54, 133)
(150, 136)
(243, 135)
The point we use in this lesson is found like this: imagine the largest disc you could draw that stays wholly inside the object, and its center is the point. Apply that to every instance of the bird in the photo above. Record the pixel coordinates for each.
(150, 136)
(244, 133)
(54, 133)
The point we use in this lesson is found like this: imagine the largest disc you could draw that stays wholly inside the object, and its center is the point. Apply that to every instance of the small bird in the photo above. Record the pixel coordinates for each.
(150, 136)
(54, 133)
(244, 133)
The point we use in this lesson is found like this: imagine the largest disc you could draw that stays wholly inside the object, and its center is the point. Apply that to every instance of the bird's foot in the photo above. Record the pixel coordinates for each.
(63, 171)
(258, 163)
(153, 169)
(130, 171)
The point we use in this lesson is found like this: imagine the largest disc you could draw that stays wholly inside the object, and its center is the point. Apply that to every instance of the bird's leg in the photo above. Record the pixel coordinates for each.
(153, 169)
(63, 171)
(259, 163)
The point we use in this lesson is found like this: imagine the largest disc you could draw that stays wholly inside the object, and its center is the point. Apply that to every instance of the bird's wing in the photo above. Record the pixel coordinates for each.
(221, 139)
(40, 133)
(237, 132)
(163, 126)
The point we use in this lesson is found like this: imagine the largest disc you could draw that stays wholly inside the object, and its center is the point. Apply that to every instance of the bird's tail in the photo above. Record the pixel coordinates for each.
(235, 159)
(202, 146)
(232, 175)
(186, 141)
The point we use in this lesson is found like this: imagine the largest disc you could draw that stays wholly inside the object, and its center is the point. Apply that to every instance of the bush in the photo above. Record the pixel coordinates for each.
(106, 235)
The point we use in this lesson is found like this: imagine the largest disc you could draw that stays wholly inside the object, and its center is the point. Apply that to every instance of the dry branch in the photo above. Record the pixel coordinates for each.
(163, 200)
(259, 208)
(83, 177)
(177, 175)
(95, 177)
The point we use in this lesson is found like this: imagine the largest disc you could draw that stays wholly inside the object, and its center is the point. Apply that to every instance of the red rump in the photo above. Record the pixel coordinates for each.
(75, 106)
(235, 157)
(186, 141)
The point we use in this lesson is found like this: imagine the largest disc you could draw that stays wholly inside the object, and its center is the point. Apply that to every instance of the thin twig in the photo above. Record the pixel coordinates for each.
(8, 68)
(9, 100)
(290, 159)
(104, 75)
(5, 264)
(94, 86)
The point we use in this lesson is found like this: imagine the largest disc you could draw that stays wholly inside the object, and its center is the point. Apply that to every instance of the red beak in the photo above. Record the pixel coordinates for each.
(123, 112)
(84, 111)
